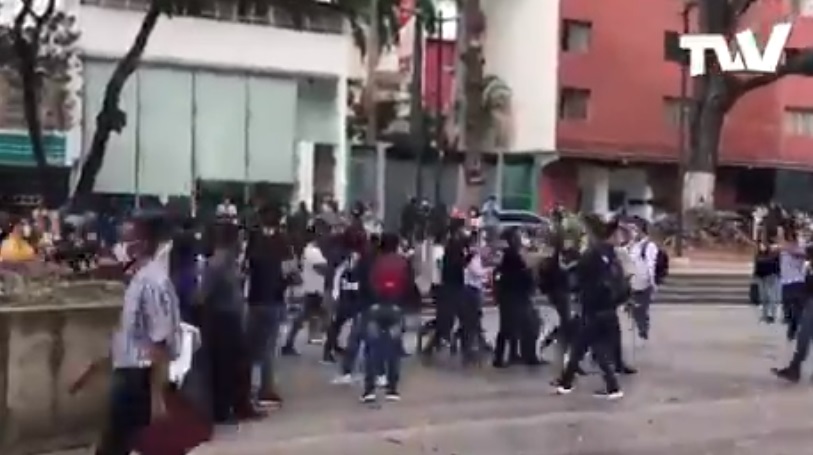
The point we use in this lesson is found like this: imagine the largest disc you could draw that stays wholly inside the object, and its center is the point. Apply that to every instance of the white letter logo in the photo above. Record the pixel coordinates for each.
(748, 58)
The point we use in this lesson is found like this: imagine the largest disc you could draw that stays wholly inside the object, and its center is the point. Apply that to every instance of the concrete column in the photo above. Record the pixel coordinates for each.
(380, 179)
(304, 174)
(594, 182)
(341, 152)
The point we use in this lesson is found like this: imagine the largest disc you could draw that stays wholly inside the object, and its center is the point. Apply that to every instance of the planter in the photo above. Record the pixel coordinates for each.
(43, 348)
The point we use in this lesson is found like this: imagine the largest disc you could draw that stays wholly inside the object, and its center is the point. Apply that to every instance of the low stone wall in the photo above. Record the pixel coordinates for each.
(42, 351)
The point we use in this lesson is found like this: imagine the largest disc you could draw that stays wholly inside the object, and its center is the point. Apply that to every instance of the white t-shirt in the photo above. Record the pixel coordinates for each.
(312, 280)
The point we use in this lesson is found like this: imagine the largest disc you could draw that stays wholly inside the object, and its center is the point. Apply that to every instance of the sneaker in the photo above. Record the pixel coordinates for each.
(269, 398)
(563, 390)
(368, 397)
(625, 370)
(316, 341)
(344, 379)
(788, 374)
(289, 351)
(609, 394)
(381, 381)
(328, 359)
(392, 395)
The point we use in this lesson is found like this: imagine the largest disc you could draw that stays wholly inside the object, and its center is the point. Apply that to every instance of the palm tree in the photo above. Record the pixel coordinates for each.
(111, 118)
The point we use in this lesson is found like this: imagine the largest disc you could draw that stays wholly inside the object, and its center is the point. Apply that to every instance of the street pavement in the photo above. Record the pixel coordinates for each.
(704, 387)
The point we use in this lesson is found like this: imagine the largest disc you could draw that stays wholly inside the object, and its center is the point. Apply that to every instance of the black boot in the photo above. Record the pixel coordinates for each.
(499, 351)
(791, 373)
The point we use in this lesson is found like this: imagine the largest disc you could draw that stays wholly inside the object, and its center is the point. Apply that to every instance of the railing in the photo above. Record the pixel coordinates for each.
(320, 21)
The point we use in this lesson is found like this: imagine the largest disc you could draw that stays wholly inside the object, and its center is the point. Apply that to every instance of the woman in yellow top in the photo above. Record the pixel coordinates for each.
(15, 248)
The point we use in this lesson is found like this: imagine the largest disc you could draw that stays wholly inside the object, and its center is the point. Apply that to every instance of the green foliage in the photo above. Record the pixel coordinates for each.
(44, 41)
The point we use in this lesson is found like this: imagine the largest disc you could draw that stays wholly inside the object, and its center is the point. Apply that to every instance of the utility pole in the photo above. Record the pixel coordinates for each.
(416, 117)
(682, 123)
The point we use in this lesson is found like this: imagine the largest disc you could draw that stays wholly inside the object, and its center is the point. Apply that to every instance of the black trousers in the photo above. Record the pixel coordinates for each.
(518, 331)
(793, 302)
(565, 331)
(345, 311)
(456, 303)
(597, 333)
(129, 411)
(224, 341)
(312, 308)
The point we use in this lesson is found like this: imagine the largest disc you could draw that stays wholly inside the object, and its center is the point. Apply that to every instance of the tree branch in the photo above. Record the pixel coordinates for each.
(800, 65)
(740, 7)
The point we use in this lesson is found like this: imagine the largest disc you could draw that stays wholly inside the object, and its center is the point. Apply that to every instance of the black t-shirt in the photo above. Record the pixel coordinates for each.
(592, 271)
(266, 254)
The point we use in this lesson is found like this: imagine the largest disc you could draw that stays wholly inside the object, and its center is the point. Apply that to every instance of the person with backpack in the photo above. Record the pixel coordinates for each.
(602, 288)
(391, 282)
(644, 255)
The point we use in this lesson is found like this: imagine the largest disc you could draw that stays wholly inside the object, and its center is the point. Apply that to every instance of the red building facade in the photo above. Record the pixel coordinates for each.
(620, 100)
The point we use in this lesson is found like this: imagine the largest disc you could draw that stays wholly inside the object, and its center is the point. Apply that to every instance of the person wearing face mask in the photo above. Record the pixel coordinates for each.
(644, 255)
(792, 276)
(147, 340)
(603, 286)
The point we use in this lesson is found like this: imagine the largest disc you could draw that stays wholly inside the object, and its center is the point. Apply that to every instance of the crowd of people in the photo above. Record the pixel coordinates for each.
(232, 284)
(248, 287)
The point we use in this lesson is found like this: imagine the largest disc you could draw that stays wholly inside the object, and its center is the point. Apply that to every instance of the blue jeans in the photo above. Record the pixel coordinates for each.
(804, 336)
(263, 327)
(384, 324)
(354, 341)
(770, 295)
(641, 301)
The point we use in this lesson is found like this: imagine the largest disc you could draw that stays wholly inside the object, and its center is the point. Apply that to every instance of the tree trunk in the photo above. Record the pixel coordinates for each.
(473, 129)
(27, 60)
(705, 131)
(111, 118)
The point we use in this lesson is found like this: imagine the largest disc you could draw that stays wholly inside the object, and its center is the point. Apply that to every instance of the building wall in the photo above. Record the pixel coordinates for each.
(216, 100)
(628, 77)
(514, 28)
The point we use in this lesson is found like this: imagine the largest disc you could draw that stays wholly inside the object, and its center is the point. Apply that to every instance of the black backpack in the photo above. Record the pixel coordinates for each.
(615, 280)
(661, 264)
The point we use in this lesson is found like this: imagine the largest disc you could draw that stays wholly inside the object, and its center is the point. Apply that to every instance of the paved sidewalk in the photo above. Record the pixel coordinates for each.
(704, 387)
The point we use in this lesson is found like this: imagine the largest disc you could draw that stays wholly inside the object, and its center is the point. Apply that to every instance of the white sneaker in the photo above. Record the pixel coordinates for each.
(561, 390)
(614, 395)
(369, 398)
(344, 379)
(381, 381)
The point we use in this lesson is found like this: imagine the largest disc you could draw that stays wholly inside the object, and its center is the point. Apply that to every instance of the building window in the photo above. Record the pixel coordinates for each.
(802, 7)
(576, 36)
(574, 103)
(320, 19)
(671, 110)
(798, 122)
(671, 47)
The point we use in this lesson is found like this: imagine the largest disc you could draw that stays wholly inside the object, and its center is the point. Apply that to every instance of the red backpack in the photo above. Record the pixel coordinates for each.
(389, 277)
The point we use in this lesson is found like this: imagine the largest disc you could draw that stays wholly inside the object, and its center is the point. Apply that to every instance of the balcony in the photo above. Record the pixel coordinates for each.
(323, 19)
